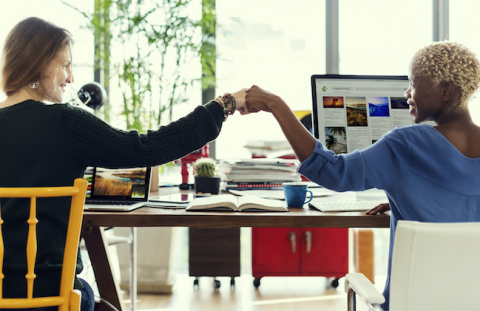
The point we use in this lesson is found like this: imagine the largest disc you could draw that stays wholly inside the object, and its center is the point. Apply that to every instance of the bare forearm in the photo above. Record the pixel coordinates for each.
(301, 140)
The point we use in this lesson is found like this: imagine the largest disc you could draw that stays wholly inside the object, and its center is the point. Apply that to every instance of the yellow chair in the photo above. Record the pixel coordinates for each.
(68, 299)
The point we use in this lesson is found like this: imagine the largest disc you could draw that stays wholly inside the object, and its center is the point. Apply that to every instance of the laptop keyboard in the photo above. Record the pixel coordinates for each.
(110, 202)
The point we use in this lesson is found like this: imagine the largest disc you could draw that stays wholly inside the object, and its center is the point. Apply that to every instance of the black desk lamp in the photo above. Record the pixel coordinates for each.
(93, 95)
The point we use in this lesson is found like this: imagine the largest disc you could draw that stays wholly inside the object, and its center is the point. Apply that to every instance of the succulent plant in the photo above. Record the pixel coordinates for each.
(205, 167)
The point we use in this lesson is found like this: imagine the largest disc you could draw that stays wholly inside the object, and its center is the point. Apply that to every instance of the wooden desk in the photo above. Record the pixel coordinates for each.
(156, 217)
(297, 217)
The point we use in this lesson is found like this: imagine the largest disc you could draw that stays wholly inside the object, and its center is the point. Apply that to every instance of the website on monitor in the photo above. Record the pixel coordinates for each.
(355, 113)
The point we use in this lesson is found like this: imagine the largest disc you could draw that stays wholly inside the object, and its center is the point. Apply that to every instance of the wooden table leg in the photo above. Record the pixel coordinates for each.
(364, 253)
(97, 248)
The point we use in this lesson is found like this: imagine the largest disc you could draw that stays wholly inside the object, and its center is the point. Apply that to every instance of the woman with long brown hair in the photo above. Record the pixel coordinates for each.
(52, 144)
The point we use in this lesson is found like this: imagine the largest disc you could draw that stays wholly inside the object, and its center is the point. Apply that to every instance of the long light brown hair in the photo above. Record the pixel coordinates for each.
(30, 46)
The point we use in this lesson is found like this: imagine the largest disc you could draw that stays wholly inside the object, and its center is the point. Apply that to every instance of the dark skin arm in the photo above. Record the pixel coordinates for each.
(302, 142)
(379, 209)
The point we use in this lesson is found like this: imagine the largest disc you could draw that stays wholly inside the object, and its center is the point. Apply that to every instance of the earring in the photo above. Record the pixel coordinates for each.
(34, 84)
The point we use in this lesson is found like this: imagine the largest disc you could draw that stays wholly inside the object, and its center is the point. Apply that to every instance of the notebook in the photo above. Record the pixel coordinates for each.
(123, 189)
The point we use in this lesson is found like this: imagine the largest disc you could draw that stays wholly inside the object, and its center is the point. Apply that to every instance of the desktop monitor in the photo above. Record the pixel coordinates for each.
(352, 111)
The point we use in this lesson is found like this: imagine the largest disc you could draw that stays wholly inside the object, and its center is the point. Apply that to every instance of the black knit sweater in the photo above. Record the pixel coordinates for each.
(51, 145)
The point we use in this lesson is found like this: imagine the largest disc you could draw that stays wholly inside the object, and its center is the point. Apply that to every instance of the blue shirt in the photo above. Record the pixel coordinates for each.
(424, 176)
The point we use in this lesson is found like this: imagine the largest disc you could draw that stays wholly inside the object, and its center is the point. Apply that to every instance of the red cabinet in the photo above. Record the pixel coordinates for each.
(299, 252)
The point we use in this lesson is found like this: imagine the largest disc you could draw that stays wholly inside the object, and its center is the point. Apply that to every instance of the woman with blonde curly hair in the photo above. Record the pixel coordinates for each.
(451, 66)
(429, 173)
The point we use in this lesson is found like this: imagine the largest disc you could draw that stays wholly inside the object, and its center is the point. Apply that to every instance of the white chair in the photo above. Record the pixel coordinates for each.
(435, 266)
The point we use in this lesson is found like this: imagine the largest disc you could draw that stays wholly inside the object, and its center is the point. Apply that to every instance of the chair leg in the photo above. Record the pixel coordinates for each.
(133, 269)
(75, 300)
(351, 300)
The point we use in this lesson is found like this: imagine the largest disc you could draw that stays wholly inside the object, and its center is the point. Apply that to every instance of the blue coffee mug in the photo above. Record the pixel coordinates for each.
(296, 194)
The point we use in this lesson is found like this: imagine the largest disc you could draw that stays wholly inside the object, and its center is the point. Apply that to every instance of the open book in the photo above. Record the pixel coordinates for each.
(229, 202)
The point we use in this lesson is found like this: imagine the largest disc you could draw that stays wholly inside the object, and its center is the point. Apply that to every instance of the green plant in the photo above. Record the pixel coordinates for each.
(205, 167)
(148, 45)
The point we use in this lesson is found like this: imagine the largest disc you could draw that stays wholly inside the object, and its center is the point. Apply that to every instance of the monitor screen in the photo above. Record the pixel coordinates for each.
(352, 112)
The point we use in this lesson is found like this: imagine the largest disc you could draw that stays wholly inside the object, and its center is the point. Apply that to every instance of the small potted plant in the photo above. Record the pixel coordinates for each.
(205, 175)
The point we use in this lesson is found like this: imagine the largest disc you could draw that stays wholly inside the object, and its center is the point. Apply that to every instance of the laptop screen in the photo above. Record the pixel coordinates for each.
(129, 184)
(352, 112)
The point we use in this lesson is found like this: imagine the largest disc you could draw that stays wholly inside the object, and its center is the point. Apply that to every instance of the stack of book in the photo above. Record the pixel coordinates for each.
(261, 173)
(270, 148)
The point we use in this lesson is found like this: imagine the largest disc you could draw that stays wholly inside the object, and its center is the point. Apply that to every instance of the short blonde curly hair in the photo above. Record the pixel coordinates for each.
(447, 61)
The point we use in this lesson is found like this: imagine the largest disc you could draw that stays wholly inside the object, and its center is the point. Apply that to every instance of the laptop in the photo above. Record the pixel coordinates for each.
(123, 189)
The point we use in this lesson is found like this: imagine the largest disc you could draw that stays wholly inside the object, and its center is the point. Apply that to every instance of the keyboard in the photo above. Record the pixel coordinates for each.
(348, 206)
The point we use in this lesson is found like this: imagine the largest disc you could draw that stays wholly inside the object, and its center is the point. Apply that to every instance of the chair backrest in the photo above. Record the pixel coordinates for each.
(435, 266)
(77, 192)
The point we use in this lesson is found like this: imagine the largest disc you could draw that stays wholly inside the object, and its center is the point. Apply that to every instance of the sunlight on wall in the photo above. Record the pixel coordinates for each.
(464, 26)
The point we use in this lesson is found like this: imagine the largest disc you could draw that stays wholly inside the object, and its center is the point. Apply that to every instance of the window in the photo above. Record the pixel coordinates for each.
(278, 45)
(382, 41)
(274, 44)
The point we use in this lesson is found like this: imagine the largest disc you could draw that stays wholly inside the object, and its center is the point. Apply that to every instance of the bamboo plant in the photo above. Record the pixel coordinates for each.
(157, 40)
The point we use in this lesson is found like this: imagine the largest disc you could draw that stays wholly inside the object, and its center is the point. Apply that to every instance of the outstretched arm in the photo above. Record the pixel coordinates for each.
(301, 140)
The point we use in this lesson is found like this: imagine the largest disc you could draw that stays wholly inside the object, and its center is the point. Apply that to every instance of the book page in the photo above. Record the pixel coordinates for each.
(253, 203)
(218, 202)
